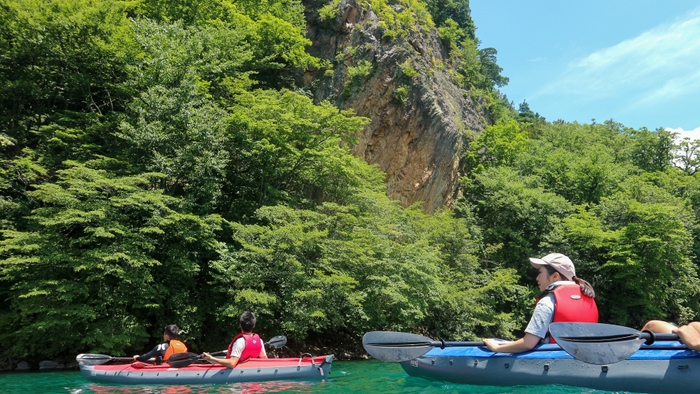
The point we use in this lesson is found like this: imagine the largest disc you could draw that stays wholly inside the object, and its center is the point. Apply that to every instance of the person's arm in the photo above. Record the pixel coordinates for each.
(523, 344)
(156, 352)
(689, 336)
(226, 362)
(536, 329)
(262, 354)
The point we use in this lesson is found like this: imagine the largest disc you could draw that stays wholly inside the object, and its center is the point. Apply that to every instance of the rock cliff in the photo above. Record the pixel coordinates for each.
(420, 119)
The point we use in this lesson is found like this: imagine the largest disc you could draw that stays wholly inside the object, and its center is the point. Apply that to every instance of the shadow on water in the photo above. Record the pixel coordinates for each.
(346, 377)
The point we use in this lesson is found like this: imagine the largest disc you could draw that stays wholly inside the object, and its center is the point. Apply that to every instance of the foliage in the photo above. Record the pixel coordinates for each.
(498, 144)
(639, 241)
(361, 71)
(160, 165)
(455, 13)
(104, 255)
(400, 17)
(369, 265)
(329, 11)
(407, 70)
(633, 232)
(401, 94)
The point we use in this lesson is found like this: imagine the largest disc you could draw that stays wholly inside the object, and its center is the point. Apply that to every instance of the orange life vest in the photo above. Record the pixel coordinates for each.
(174, 346)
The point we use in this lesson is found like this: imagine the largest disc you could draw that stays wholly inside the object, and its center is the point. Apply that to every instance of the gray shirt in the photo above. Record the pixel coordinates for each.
(543, 314)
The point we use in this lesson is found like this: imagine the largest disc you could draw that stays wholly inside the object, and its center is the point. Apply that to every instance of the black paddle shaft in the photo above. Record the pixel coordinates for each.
(392, 346)
(441, 344)
(651, 337)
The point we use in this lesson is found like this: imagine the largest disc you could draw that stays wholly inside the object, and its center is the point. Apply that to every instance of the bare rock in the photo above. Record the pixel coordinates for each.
(420, 123)
(47, 364)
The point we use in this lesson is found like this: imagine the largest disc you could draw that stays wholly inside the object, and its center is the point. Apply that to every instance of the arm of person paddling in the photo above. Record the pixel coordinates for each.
(226, 362)
(523, 344)
(236, 351)
(689, 336)
(157, 353)
(536, 330)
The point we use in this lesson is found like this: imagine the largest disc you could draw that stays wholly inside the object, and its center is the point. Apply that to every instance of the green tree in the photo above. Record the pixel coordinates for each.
(639, 242)
(106, 257)
(652, 151)
(498, 145)
(60, 57)
(518, 218)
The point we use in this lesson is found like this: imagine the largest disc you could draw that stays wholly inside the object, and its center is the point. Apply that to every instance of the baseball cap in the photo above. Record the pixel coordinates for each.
(559, 262)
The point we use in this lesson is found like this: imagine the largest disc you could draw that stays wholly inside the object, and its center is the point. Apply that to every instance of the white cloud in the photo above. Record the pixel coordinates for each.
(659, 64)
(692, 134)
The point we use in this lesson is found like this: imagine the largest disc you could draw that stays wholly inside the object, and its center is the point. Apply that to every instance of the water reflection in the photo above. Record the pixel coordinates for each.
(237, 388)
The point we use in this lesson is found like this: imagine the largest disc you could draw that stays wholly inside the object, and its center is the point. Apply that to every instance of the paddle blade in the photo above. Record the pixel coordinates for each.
(595, 343)
(180, 360)
(391, 346)
(92, 359)
(277, 342)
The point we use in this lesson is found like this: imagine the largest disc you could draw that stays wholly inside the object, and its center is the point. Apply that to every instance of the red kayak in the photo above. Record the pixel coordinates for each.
(253, 370)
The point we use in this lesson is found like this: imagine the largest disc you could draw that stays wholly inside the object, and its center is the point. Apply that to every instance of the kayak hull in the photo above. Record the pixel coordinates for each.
(664, 367)
(255, 370)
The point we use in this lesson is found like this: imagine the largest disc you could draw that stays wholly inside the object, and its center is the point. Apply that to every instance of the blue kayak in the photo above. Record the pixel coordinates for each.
(663, 367)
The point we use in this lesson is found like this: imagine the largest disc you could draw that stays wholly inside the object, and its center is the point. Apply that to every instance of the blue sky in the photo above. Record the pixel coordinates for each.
(637, 62)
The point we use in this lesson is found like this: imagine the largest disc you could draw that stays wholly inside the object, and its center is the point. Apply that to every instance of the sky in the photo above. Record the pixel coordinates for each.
(636, 62)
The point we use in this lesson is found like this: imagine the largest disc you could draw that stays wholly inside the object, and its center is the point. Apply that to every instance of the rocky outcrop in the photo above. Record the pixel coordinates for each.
(420, 119)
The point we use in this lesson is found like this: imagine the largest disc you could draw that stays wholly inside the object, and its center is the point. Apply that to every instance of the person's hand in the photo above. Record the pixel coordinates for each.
(491, 344)
(207, 356)
(688, 336)
(135, 357)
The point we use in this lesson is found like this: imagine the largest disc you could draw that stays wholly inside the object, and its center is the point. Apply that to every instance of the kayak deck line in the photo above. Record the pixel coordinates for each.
(250, 364)
(658, 350)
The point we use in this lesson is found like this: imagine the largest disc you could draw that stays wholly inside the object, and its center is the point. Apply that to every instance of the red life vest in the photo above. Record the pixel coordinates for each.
(175, 346)
(570, 305)
(253, 346)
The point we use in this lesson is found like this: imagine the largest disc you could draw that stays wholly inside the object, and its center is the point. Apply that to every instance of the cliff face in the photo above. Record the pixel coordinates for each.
(420, 118)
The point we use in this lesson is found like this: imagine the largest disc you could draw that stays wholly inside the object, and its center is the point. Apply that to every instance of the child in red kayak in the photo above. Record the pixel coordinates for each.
(243, 346)
(163, 351)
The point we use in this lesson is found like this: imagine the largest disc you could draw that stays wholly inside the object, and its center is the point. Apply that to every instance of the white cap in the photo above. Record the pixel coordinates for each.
(559, 262)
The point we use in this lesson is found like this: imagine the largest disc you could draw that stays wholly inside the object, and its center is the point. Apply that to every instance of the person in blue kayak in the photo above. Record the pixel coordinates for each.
(564, 298)
(163, 351)
(243, 346)
(688, 334)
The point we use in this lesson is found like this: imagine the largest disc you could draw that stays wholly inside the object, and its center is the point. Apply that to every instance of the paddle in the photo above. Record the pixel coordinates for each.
(597, 343)
(180, 360)
(97, 359)
(393, 347)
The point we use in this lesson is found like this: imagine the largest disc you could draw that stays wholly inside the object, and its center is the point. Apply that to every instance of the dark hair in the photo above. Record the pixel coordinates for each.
(586, 287)
(171, 330)
(247, 321)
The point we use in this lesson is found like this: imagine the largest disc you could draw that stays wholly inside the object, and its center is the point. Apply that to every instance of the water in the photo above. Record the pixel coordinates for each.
(346, 377)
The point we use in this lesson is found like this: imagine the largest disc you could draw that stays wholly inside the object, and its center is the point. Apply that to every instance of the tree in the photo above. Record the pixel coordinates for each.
(105, 258)
(639, 244)
(687, 156)
(652, 151)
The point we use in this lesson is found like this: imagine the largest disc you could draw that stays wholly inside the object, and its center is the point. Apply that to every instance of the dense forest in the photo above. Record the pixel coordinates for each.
(161, 163)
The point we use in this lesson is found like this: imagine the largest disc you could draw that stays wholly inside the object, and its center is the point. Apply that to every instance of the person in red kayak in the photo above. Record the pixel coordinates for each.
(565, 298)
(163, 351)
(243, 346)
(688, 334)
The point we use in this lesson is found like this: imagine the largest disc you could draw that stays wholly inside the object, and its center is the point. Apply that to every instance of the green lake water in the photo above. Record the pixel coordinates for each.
(346, 377)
